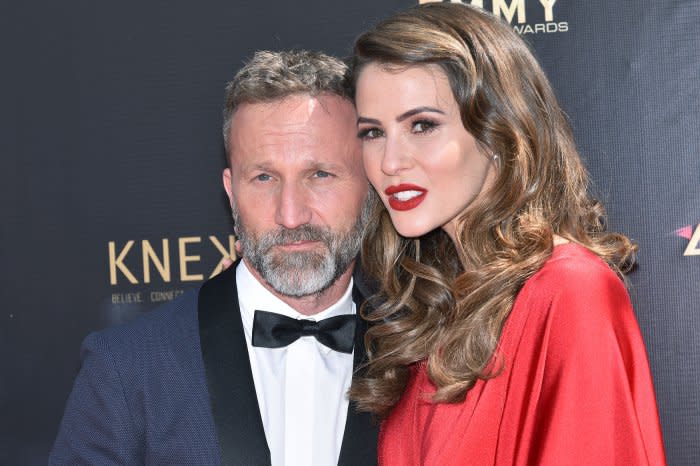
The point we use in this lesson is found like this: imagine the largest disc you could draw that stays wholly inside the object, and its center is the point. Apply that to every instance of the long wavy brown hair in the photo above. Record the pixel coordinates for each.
(445, 302)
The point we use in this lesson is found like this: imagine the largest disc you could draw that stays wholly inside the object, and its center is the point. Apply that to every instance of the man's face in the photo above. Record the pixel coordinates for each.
(297, 190)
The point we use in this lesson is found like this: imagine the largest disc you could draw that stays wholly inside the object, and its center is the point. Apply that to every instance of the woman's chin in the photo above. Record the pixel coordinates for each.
(411, 230)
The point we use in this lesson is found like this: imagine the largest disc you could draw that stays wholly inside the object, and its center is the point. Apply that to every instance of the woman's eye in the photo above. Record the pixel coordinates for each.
(370, 133)
(423, 126)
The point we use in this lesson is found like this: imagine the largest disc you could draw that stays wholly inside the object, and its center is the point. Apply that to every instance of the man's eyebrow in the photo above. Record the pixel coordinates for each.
(260, 166)
(403, 116)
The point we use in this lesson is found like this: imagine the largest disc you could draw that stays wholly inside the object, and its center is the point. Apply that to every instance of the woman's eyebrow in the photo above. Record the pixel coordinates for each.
(401, 117)
(417, 110)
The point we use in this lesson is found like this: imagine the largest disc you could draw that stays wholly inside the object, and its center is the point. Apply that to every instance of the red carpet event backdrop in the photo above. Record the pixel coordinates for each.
(112, 155)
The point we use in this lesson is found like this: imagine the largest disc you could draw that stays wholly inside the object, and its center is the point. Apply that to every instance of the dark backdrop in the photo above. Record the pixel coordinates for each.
(110, 122)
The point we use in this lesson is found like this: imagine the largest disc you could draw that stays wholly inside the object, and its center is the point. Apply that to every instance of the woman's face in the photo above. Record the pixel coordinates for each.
(425, 166)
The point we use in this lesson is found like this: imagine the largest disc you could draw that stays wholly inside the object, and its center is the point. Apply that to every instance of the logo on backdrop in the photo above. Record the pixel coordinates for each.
(157, 270)
(515, 12)
(692, 234)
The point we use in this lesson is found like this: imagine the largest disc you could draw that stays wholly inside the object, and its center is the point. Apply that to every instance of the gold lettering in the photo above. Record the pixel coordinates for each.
(693, 248)
(479, 3)
(500, 6)
(126, 298)
(168, 295)
(117, 262)
(184, 259)
(157, 296)
(548, 6)
(149, 255)
(230, 254)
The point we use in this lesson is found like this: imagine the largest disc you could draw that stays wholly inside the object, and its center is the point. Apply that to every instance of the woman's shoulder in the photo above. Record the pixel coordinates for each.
(575, 280)
(572, 267)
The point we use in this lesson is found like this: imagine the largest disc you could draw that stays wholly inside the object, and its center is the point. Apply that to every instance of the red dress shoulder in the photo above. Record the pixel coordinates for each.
(575, 388)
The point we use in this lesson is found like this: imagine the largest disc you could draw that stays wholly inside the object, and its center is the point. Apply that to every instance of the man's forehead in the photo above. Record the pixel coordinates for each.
(288, 149)
(296, 109)
(299, 126)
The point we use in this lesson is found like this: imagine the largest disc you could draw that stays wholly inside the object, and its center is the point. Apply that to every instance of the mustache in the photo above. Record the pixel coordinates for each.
(301, 233)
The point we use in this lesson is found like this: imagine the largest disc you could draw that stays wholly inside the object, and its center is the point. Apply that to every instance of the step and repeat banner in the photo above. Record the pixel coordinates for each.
(111, 158)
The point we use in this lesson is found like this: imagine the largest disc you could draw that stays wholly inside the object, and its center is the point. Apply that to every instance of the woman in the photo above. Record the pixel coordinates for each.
(505, 335)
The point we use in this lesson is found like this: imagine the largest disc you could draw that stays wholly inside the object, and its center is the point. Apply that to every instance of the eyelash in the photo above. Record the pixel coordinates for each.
(264, 177)
(364, 134)
(427, 125)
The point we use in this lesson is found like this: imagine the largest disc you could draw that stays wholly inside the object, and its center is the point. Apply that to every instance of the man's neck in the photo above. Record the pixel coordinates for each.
(311, 304)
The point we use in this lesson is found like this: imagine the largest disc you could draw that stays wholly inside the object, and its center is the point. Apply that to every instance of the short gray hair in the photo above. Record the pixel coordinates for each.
(271, 76)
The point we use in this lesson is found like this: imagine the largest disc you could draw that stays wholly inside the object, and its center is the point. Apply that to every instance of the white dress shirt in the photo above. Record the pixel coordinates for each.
(302, 388)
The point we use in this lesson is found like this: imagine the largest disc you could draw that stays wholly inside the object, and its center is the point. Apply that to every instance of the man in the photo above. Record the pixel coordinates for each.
(254, 367)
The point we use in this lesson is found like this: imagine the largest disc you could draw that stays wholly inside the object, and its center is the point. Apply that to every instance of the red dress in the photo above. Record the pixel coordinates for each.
(575, 388)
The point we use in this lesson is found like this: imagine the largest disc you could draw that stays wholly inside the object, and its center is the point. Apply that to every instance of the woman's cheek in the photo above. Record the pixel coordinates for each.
(371, 159)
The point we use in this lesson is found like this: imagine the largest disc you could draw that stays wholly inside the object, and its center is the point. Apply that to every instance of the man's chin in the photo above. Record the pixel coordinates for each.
(296, 259)
(310, 247)
(299, 274)
(299, 282)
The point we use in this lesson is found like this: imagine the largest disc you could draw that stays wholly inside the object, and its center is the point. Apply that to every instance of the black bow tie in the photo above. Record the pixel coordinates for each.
(272, 330)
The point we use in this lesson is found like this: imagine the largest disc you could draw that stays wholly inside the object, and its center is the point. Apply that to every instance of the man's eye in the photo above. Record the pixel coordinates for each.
(263, 177)
(322, 174)
(370, 133)
(423, 126)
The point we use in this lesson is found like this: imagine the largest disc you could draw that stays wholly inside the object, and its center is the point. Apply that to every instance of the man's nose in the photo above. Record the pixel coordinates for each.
(293, 207)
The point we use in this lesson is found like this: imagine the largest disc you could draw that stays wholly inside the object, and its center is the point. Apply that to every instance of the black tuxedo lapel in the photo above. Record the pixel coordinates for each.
(229, 377)
(360, 438)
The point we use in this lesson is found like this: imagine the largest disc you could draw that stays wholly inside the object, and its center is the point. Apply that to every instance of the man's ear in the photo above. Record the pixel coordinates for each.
(226, 179)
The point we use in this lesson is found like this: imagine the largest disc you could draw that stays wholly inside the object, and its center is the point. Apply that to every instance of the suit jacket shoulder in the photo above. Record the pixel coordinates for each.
(140, 395)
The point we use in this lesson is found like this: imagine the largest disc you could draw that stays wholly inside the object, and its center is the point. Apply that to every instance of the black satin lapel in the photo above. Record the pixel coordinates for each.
(229, 377)
(361, 431)
(359, 440)
(359, 353)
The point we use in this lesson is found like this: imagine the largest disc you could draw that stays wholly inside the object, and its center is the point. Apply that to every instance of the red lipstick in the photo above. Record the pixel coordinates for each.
(405, 196)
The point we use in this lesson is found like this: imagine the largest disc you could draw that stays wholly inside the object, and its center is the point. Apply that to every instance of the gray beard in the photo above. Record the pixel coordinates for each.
(303, 273)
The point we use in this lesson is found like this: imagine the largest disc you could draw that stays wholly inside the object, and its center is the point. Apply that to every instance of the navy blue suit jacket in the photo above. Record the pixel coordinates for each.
(175, 387)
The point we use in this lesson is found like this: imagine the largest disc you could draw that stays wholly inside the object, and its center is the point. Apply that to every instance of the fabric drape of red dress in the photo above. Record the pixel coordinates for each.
(574, 389)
